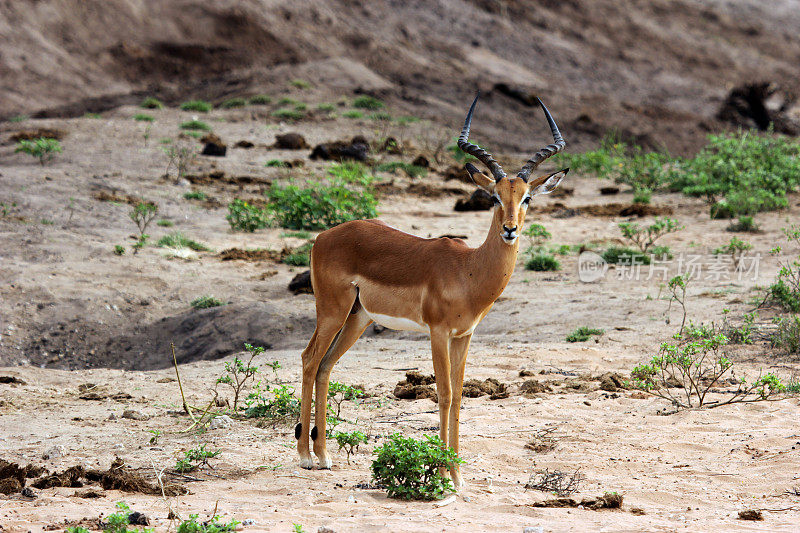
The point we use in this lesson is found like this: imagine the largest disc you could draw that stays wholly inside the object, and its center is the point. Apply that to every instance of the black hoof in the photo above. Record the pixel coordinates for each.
(314, 433)
(298, 429)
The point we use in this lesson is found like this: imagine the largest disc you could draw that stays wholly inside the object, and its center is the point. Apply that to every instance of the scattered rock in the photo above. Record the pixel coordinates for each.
(213, 146)
(638, 511)
(132, 414)
(117, 477)
(89, 493)
(474, 389)
(458, 173)
(47, 133)
(391, 146)
(12, 380)
(608, 191)
(611, 382)
(248, 522)
(237, 254)
(53, 453)
(751, 514)
(478, 201)
(266, 275)
(28, 492)
(10, 485)
(166, 380)
(244, 144)
(416, 386)
(524, 373)
(760, 105)
(138, 519)
(290, 141)
(357, 148)
(301, 283)
(325, 529)
(421, 161)
(534, 386)
(639, 395)
(220, 422)
(533, 529)
(609, 500)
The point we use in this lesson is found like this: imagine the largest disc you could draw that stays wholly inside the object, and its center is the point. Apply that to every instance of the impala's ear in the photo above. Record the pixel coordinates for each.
(548, 183)
(480, 178)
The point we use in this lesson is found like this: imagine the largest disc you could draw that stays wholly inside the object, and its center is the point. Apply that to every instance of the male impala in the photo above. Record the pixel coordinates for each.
(365, 271)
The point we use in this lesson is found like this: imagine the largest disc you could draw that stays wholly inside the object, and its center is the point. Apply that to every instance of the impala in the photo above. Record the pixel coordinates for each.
(365, 271)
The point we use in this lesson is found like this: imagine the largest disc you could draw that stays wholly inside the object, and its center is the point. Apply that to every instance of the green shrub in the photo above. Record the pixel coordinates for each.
(204, 302)
(353, 114)
(118, 522)
(409, 468)
(19, 118)
(603, 162)
(413, 171)
(537, 234)
(238, 373)
(195, 125)
(213, 525)
(786, 289)
(296, 234)
(151, 103)
(43, 148)
(618, 255)
(272, 404)
(234, 102)
(339, 393)
(275, 163)
(351, 172)
(119, 249)
(260, 99)
(300, 84)
(143, 117)
(92, 115)
(735, 248)
(319, 206)
(195, 458)
(179, 240)
(245, 217)
(542, 262)
(745, 224)
(195, 195)
(641, 196)
(583, 333)
(164, 223)
(197, 105)
(300, 256)
(142, 214)
(326, 107)
(288, 114)
(367, 102)
(404, 121)
(382, 115)
(787, 336)
(645, 237)
(288, 101)
(349, 442)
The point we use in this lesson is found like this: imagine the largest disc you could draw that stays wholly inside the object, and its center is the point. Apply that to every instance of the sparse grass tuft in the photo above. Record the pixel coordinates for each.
(583, 333)
(143, 117)
(195, 125)
(260, 99)
(300, 84)
(288, 114)
(179, 240)
(151, 103)
(195, 195)
(542, 262)
(204, 302)
(353, 114)
(233, 103)
(368, 102)
(413, 171)
(200, 106)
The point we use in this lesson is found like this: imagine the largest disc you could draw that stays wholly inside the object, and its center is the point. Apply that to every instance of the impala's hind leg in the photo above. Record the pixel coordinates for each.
(355, 325)
(331, 316)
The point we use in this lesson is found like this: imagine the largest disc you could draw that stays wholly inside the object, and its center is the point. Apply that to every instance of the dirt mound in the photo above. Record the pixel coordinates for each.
(609, 500)
(301, 283)
(29, 135)
(415, 387)
(218, 177)
(198, 334)
(237, 254)
(760, 106)
(356, 149)
(474, 388)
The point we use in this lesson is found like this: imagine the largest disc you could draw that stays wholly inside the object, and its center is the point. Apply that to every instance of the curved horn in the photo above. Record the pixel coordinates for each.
(547, 151)
(472, 149)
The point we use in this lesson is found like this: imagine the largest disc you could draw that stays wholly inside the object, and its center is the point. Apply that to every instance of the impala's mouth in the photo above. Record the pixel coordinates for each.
(509, 237)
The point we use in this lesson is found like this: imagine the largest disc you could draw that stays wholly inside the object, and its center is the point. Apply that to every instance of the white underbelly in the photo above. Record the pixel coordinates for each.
(398, 323)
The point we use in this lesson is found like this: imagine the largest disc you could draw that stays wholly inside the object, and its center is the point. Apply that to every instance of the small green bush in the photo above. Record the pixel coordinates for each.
(200, 106)
(164, 223)
(618, 255)
(233, 103)
(213, 525)
(195, 195)
(276, 404)
(409, 468)
(288, 101)
(787, 336)
(351, 172)
(43, 148)
(326, 107)
(319, 206)
(151, 103)
(245, 217)
(195, 125)
(275, 163)
(583, 333)
(195, 458)
(299, 257)
(296, 234)
(119, 249)
(19, 118)
(537, 234)
(349, 442)
(143, 117)
(645, 237)
(413, 171)
(300, 84)
(745, 224)
(404, 121)
(204, 302)
(288, 114)
(382, 115)
(260, 99)
(92, 115)
(367, 102)
(353, 114)
(542, 262)
(179, 240)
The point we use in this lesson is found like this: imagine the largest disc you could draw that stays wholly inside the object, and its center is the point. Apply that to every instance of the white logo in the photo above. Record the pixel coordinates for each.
(591, 267)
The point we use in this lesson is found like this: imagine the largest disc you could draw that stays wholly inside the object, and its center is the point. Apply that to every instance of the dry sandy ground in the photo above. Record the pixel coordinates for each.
(690, 471)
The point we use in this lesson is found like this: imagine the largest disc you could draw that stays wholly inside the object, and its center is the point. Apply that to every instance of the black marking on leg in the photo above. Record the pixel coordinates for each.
(298, 430)
(314, 433)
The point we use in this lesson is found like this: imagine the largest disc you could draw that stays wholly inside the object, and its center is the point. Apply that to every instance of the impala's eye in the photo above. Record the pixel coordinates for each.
(526, 201)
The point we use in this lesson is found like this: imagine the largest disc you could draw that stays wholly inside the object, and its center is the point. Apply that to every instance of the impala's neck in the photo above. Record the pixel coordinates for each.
(495, 261)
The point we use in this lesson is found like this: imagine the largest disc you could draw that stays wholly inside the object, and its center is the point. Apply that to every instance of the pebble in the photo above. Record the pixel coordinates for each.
(325, 529)
(248, 522)
(53, 453)
(533, 529)
(132, 414)
(220, 422)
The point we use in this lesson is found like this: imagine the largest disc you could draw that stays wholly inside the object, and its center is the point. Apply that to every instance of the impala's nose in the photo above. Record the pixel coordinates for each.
(509, 235)
(509, 231)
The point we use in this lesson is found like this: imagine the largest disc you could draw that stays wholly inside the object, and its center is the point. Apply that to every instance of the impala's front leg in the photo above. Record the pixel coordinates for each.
(440, 347)
(458, 360)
